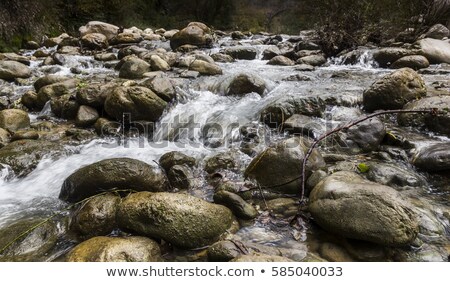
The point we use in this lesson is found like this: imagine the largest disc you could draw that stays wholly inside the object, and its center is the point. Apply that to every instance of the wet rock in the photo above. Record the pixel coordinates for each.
(235, 203)
(436, 51)
(168, 160)
(394, 90)
(260, 258)
(193, 34)
(111, 174)
(222, 58)
(300, 124)
(32, 247)
(47, 80)
(241, 84)
(94, 41)
(86, 116)
(22, 134)
(181, 177)
(313, 60)
(414, 62)
(437, 31)
(114, 249)
(94, 95)
(365, 137)
(54, 90)
(205, 68)
(433, 158)
(158, 64)
(279, 167)
(386, 56)
(221, 161)
(237, 35)
(334, 253)
(281, 61)
(352, 207)
(29, 99)
(65, 106)
(183, 220)
(10, 70)
(134, 68)
(104, 127)
(15, 57)
(241, 52)
(439, 122)
(162, 86)
(105, 57)
(223, 251)
(170, 33)
(304, 67)
(271, 52)
(306, 45)
(106, 29)
(141, 103)
(14, 119)
(126, 38)
(394, 176)
(283, 207)
(4, 137)
(97, 216)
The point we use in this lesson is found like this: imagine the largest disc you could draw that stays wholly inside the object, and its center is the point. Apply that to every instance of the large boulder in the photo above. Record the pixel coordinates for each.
(386, 56)
(112, 174)
(47, 80)
(279, 167)
(438, 122)
(96, 217)
(106, 29)
(24, 155)
(140, 102)
(346, 204)
(437, 31)
(363, 137)
(193, 34)
(168, 160)
(54, 90)
(414, 62)
(95, 41)
(14, 119)
(181, 219)
(86, 116)
(205, 68)
(64, 106)
(393, 175)
(242, 52)
(394, 90)
(280, 61)
(162, 86)
(433, 158)
(313, 60)
(241, 84)
(10, 70)
(134, 68)
(114, 249)
(436, 51)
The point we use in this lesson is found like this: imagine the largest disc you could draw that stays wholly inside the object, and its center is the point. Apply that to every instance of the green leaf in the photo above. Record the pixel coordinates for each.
(363, 168)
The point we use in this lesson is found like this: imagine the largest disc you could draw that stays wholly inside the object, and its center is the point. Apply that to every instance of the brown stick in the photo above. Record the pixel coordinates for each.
(347, 126)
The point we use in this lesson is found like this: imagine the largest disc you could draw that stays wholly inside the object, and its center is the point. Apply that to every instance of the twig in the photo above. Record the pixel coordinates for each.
(433, 111)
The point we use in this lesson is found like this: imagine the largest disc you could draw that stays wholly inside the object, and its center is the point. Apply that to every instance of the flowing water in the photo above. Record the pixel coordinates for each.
(37, 193)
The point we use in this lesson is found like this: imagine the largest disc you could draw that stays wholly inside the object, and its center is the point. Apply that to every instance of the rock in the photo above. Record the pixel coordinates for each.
(25, 134)
(300, 124)
(134, 68)
(222, 58)
(260, 258)
(32, 45)
(223, 251)
(281, 61)
(4, 137)
(126, 38)
(205, 68)
(168, 160)
(304, 67)
(434, 158)
(437, 31)
(94, 41)
(386, 56)
(283, 207)
(94, 95)
(181, 177)
(29, 99)
(13, 119)
(158, 64)
(162, 86)
(97, 216)
(414, 62)
(47, 80)
(241, 84)
(107, 30)
(170, 33)
(105, 57)
(394, 176)
(306, 45)
(66, 50)
(439, 122)
(193, 35)
(352, 207)
(183, 220)
(111, 174)
(313, 60)
(86, 116)
(367, 136)
(23, 156)
(436, 51)
(394, 90)
(10, 70)
(271, 52)
(241, 52)
(116, 249)
(239, 206)
(237, 35)
(279, 167)
(141, 103)
(104, 127)
(54, 90)
(221, 161)
(334, 253)
(64, 106)
(32, 247)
